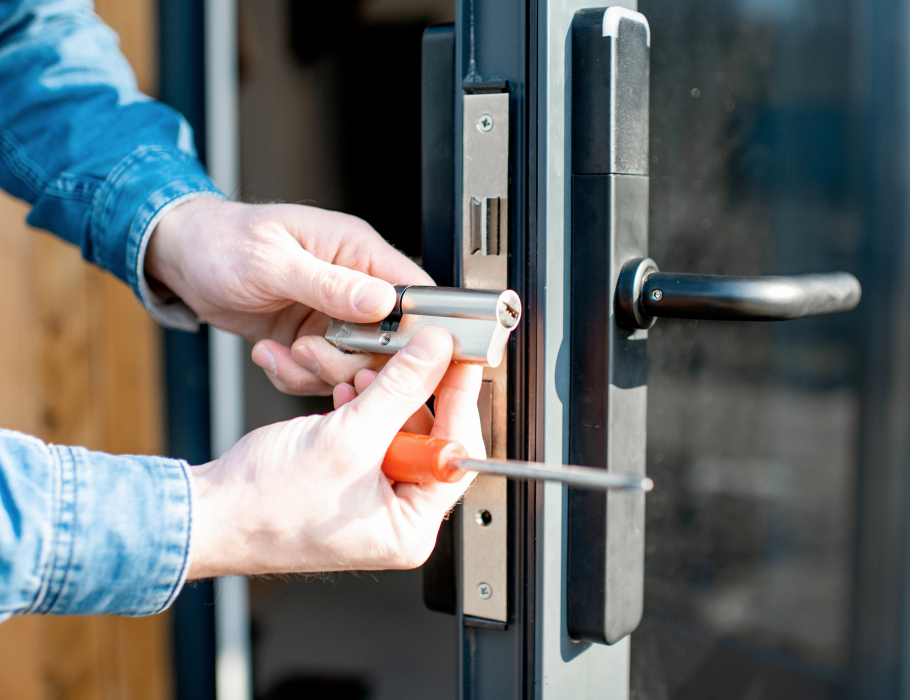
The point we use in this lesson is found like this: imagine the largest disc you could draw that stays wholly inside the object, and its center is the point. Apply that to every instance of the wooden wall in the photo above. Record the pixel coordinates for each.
(80, 364)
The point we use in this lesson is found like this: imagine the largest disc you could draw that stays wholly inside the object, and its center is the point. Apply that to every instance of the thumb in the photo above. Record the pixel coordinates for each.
(402, 387)
(338, 291)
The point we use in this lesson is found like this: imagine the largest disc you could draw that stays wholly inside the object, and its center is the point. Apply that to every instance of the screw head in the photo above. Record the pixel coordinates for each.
(485, 123)
(657, 295)
(385, 339)
(485, 590)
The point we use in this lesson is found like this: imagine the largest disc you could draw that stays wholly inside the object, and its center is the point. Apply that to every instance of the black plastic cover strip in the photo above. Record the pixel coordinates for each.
(437, 154)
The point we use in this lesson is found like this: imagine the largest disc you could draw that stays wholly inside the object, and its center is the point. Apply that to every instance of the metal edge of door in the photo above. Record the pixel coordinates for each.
(563, 668)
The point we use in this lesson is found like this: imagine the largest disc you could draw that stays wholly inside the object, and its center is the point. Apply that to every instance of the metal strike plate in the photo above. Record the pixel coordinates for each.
(480, 322)
(484, 265)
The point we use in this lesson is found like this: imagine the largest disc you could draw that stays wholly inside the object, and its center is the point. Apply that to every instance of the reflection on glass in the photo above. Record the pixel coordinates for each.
(753, 428)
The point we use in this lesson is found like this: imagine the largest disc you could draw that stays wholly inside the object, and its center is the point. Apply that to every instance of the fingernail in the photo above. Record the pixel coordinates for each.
(428, 345)
(263, 357)
(373, 297)
(304, 356)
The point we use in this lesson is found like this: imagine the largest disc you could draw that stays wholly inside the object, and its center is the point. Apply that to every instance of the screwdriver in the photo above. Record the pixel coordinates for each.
(421, 459)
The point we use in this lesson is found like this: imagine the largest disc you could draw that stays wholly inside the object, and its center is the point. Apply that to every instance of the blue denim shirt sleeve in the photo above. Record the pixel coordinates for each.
(99, 161)
(84, 532)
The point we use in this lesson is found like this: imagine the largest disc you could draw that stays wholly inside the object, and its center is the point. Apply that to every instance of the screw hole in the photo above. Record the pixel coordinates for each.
(484, 518)
(385, 339)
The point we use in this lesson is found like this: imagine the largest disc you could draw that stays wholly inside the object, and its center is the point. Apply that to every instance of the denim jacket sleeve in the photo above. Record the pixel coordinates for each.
(84, 532)
(99, 161)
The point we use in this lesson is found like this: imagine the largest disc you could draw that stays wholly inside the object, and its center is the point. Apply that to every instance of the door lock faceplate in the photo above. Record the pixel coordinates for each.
(483, 262)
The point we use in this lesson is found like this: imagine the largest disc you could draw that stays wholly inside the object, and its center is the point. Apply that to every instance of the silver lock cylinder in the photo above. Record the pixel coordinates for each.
(479, 320)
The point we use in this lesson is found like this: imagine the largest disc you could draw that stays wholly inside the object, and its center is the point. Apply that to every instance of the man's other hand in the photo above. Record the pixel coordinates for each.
(309, 495)
(275, 274)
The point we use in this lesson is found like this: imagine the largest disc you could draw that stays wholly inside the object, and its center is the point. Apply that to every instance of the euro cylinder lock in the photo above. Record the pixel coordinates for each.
(479, 320)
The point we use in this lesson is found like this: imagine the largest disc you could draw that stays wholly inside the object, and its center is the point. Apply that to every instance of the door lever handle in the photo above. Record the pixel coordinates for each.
(643, 293)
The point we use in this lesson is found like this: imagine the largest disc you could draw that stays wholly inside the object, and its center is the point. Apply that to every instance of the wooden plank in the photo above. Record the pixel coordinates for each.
(136, 21)
(58, 289)
(126, 367)
(19, 406)
(21, 657)
(143, 661)
(69, 648)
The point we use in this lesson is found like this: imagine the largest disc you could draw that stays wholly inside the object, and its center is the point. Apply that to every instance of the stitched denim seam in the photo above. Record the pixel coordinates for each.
(66, 509)
(181, 576)
(13, 154)
(71, 534)
(110, 188)
(88, 187)
(104, 193)
(56, 507)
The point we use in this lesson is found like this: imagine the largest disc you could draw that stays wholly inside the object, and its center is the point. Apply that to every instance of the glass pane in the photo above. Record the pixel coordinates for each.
(754, 429)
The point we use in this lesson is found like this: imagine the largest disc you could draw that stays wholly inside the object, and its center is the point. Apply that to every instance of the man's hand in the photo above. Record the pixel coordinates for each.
(275, 273)
(309, 495)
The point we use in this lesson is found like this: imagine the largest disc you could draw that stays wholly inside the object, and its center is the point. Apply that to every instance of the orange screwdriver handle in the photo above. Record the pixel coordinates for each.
(421, 459)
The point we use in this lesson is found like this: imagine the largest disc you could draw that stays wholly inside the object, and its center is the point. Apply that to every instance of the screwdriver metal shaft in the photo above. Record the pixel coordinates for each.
(581, 477)
(422, 459)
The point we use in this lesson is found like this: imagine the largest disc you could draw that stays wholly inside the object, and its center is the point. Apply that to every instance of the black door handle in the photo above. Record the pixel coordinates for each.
(643, 293)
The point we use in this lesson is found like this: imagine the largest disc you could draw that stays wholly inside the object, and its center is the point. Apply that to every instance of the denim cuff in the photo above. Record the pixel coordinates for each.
(121, 534)
(171, 313)
(139, 191)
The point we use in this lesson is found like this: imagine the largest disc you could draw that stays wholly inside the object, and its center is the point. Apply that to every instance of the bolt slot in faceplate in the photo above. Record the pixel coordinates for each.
(486, 225)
